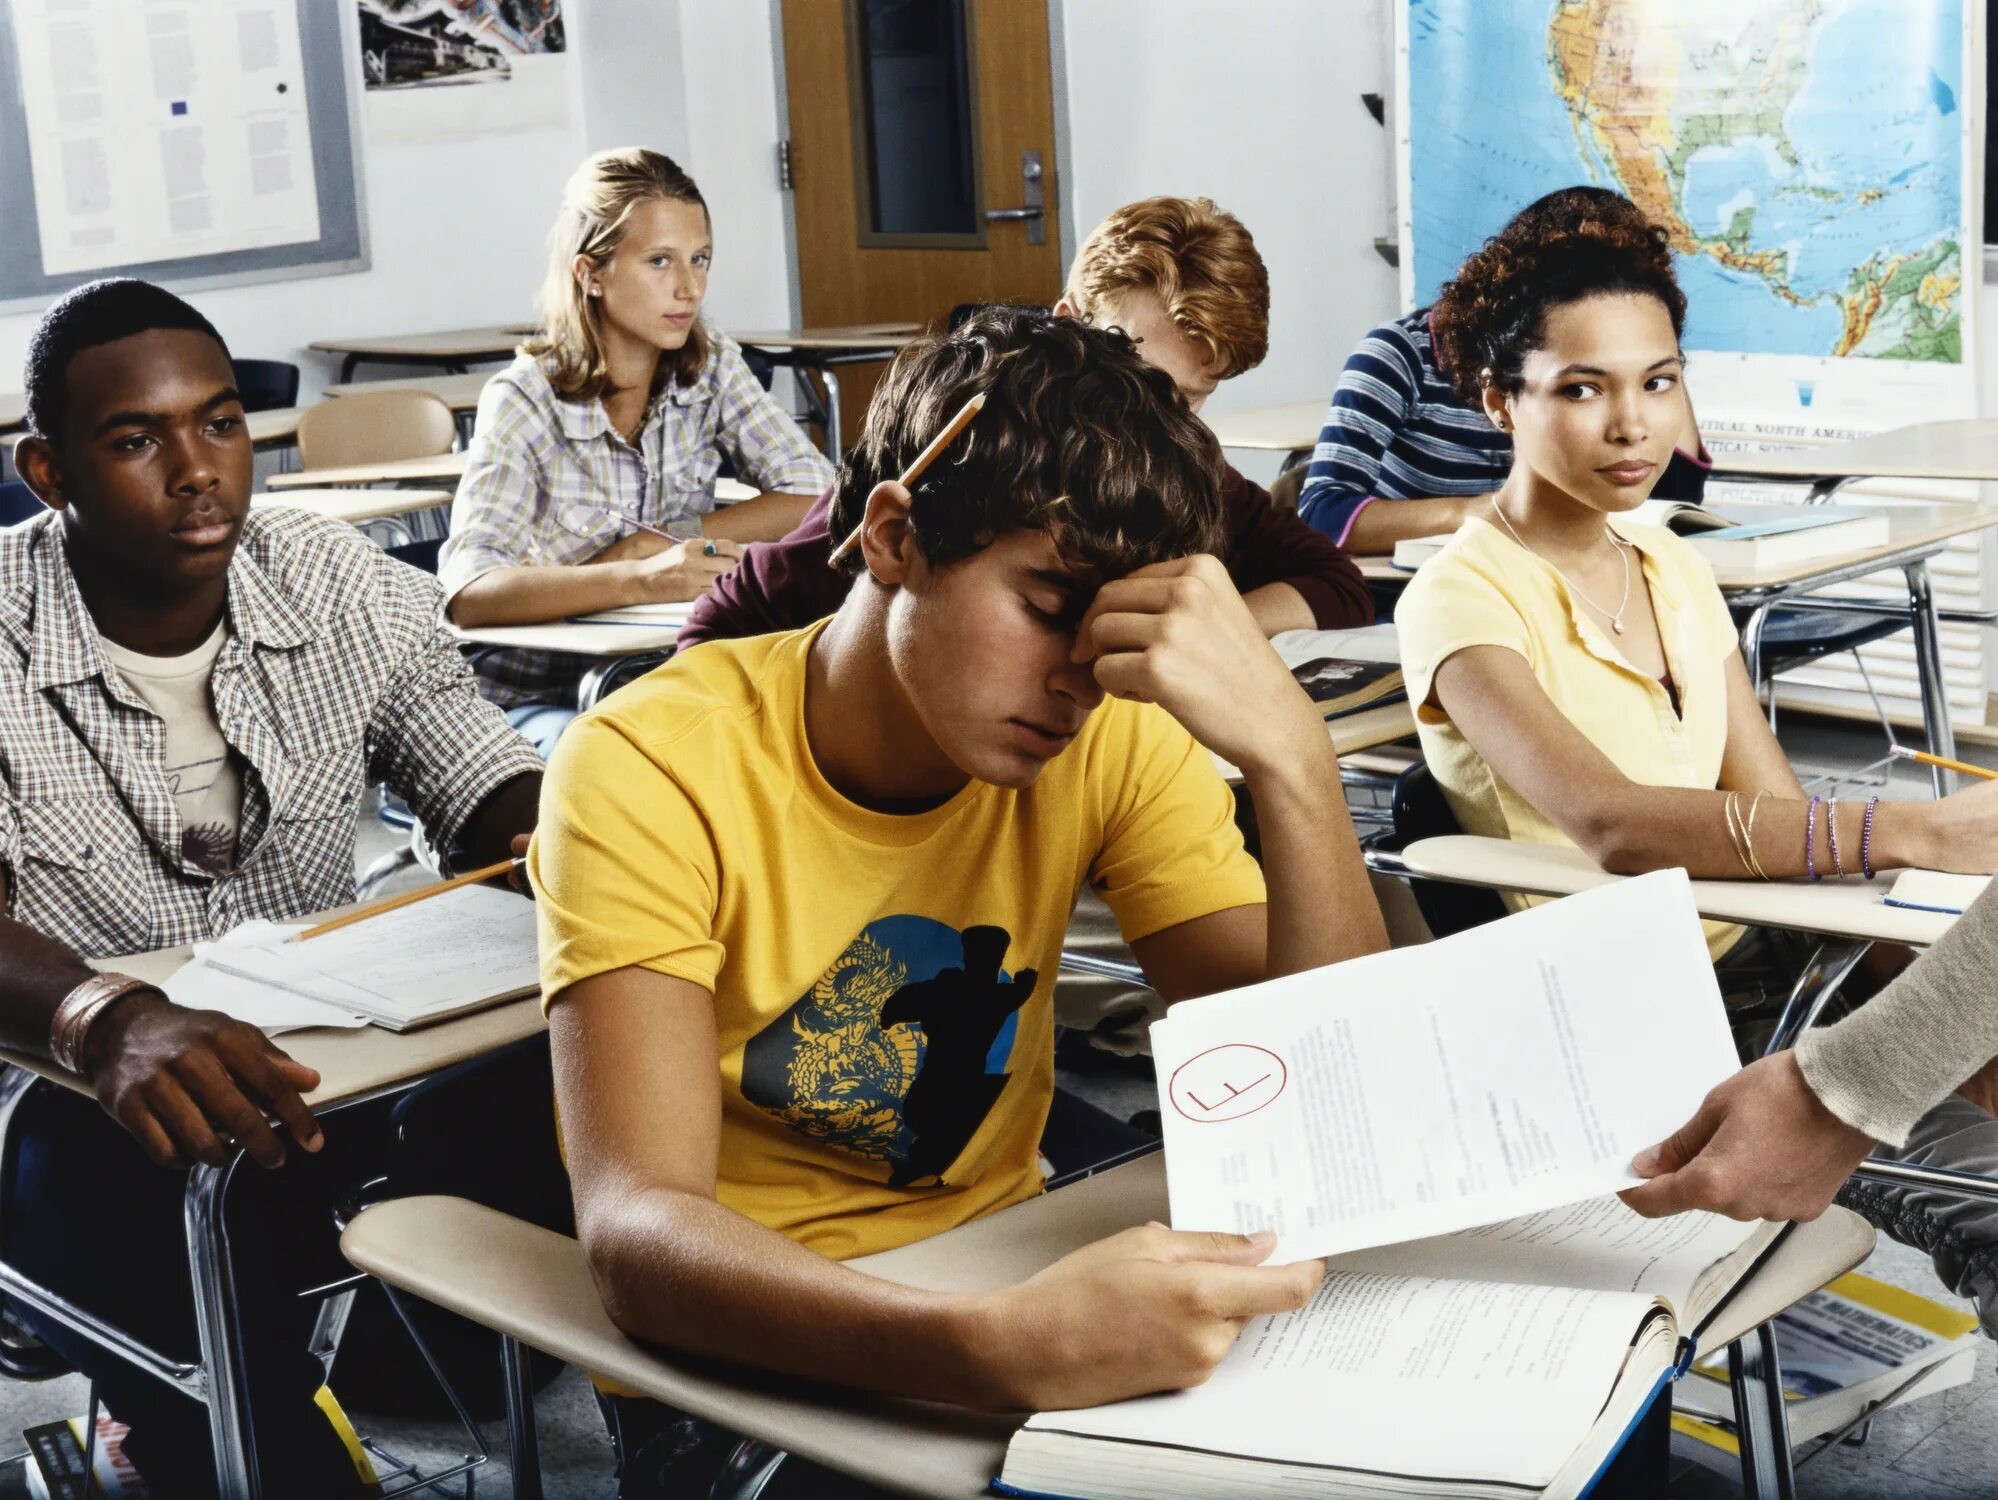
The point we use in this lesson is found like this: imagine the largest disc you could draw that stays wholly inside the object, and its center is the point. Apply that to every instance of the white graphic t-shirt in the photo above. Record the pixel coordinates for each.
(200, 766)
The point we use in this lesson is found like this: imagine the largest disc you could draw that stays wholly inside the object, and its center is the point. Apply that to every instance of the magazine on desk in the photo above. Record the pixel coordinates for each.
(1456, 1153)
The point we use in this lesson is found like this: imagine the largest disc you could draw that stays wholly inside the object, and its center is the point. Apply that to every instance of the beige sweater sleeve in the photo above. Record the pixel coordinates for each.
(1898, 1056)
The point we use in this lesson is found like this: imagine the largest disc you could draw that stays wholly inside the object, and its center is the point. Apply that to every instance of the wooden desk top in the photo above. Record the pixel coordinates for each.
(277, 428)
(1909, 527)
(459, 392)
(1291, 427)
(356, 506)
(533, 1284)
(1924, 450)
(495, 342)
(847, 338)
(449, 467)
(13, 410)
(1840, 908)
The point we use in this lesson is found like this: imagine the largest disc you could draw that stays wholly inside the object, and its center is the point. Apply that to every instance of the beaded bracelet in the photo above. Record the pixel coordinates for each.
(1866, 838)
(1831, 836)
(1811, 839)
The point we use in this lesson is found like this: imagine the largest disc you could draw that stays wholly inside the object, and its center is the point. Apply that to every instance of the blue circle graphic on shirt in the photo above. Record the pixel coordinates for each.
(898, 1052)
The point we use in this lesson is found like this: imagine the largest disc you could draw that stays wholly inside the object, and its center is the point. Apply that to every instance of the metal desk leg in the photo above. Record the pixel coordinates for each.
(1756, 1377)
(1928, 665)
(1827, 969)
(831, 381)
(1751, 653)
(220, 1328)
(523, 1448)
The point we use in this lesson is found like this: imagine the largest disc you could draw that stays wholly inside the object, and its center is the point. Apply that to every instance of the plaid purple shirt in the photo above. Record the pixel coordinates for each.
(543, 469)
(337, 672)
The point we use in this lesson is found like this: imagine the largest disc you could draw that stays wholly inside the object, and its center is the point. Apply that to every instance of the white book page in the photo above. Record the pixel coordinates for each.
(1597, 1244)
(1401, 1374)
(1506, 1070)
(201, 986)
(1371, 643)
(455, 949)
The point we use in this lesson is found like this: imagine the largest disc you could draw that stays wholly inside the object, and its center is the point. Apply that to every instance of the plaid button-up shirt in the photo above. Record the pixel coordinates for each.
(337, 672)
(544, 473)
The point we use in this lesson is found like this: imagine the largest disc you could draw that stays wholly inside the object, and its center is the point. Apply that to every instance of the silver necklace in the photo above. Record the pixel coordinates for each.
(1616, 542)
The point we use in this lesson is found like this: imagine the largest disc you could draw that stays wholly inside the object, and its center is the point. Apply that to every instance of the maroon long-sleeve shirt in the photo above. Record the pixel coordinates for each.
(787, 584)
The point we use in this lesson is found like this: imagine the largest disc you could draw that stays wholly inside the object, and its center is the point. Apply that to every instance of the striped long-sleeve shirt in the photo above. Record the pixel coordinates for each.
(1396, 430)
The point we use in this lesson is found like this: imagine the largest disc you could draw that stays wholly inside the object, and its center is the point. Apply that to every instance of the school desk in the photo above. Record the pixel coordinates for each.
(452, 349)
(1960, 450)
(533, 1287)
(823, 350)
(356, 506)
(1290, 427)
(445, 468)
(459, 392)
(354, 1066)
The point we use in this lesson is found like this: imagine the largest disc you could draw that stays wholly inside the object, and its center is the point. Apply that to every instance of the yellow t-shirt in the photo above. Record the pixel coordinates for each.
(882, 982)
(1484, 589)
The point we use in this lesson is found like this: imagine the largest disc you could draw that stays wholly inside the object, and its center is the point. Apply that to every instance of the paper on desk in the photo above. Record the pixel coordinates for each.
(467, 946)
(1509, 1069)
(201, 986)
(1370, 643)
(675, 613)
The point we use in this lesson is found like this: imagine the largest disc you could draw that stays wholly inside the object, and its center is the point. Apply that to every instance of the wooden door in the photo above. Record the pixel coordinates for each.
(918, 128)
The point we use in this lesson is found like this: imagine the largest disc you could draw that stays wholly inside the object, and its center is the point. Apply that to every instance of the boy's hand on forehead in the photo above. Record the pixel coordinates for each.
(1179, 634)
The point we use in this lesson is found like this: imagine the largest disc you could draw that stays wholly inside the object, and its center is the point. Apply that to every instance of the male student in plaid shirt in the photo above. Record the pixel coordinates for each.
(193, 697)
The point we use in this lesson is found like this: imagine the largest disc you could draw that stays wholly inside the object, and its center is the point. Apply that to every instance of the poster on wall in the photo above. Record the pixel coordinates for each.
(1817, 165)
(185, 134)
(439, 69)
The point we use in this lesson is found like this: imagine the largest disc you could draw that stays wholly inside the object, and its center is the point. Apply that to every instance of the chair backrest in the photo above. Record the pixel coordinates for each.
(1284, 489)
(374, 427)
(1421, 812)
(485, 1130)
(419, 555)
(18, 503)
(266, 384)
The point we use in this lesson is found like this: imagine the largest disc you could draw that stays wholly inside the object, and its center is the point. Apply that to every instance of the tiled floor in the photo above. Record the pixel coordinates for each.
(1943, 1448)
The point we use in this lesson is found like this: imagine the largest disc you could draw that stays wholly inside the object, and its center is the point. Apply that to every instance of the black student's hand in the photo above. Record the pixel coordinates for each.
(181, 1080)
(516, 878)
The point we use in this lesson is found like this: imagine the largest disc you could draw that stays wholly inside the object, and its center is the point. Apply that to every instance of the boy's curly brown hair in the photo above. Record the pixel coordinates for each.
(1079, 438)
(1575, 243)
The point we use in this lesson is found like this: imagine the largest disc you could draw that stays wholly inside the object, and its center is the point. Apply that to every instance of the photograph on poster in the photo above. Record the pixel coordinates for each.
(424, 43)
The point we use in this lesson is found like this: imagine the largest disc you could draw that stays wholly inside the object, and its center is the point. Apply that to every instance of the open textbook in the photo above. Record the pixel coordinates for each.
(1453, 1118)
(1497, 1361)
(458, 952)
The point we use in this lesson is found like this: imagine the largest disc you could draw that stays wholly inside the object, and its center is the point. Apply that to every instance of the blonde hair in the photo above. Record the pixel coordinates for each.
(596, 208)
(1201, 263)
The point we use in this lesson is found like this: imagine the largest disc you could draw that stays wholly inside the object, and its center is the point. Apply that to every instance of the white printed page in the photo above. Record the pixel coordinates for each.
(453, 950)
(1401, 1374)
(1597, 1244)
(1509, 1069)
(1370, 643)
(164, 130)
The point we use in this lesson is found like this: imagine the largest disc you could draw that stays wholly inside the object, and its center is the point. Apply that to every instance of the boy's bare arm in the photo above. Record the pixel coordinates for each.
(1178, 634)
(640, 1100)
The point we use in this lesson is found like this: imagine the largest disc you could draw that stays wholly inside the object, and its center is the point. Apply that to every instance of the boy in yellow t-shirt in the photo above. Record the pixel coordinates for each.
(839, 862)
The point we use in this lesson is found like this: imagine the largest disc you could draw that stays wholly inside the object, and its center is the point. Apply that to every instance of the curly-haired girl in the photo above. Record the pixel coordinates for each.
(1577, 675)
(1396, 429)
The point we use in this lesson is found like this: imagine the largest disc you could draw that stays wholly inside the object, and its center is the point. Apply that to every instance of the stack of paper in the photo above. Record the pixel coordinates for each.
(464, 950)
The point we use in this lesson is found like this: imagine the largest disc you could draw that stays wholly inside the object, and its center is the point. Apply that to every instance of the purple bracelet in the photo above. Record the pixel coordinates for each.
(1866, 838)
(1811, 839)
(1831, 836)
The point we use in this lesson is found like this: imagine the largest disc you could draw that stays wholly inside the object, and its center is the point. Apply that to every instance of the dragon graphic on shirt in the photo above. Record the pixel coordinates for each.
(898, 1051)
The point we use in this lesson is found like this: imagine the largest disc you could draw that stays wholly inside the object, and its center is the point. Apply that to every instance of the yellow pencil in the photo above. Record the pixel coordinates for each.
(924, 459)
(1946, 764)
(410, 898)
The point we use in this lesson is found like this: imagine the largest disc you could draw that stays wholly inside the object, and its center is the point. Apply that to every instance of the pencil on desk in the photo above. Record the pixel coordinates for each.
(924, 459)
(410, 898)
(1944, 762)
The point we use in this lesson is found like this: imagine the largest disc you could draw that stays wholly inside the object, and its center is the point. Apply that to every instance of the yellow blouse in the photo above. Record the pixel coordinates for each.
(1484, 589)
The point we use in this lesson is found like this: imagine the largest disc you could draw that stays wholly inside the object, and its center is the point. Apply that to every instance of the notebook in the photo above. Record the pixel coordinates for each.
(1340, 687)
(1934, 890)
(1766, 536)
(456, 953)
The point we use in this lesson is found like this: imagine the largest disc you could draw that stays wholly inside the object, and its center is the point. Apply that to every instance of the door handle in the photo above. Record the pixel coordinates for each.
(1033, 211)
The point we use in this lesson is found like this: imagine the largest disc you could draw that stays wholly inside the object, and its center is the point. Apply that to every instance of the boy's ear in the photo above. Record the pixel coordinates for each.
(887, 539)
(1065, 307)
(35, 461)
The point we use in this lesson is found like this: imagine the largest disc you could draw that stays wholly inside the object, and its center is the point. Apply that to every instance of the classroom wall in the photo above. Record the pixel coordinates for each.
(457, 228)
(1258, 107)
